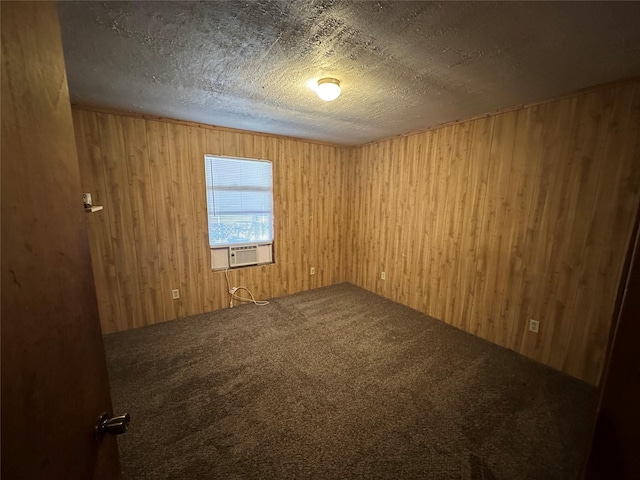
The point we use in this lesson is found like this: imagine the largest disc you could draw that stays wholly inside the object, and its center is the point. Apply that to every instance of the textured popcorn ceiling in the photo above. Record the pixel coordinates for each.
(404, 66)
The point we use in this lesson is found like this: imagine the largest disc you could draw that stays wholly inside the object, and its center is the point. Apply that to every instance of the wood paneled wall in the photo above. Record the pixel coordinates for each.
(151, 236)
(491, 222)
(484, 224)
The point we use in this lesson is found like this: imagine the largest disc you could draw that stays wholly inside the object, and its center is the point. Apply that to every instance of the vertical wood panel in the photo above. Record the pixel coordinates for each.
(519, 215)
(102, 253)
(152, 235)
(198, 230)
(143, 220)
(164, 208)
(118, 206)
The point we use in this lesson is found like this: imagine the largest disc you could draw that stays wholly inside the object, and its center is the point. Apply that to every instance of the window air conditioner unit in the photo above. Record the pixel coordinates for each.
(243, 256)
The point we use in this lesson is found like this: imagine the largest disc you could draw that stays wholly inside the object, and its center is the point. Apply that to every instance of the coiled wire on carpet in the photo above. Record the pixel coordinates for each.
(232, 292)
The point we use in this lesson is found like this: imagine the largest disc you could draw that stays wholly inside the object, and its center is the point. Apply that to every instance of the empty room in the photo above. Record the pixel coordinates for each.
(320, 239)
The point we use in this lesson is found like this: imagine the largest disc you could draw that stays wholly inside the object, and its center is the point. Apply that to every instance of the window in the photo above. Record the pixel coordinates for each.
(239, 200)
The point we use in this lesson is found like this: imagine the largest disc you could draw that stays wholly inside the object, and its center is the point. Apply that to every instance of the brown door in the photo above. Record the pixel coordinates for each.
(616, 440)
(54, 378)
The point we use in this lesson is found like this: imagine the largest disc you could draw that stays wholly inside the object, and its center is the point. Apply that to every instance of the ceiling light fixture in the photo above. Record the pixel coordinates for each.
(328, 89)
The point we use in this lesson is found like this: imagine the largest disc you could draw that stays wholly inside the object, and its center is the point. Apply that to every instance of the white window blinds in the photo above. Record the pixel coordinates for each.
(239, 200)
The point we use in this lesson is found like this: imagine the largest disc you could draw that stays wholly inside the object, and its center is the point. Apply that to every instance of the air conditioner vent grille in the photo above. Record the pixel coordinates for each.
(242, 256)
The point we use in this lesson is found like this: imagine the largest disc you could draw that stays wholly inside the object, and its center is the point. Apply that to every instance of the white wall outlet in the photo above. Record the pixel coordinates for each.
(312, 271)
(86, 199)
(383, 276)
(534, 326)
(175, 293)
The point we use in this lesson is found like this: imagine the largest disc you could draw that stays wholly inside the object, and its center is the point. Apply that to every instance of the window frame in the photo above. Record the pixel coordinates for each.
(209, 163)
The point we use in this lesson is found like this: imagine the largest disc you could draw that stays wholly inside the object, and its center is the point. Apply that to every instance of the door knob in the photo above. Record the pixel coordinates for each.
(112, 425)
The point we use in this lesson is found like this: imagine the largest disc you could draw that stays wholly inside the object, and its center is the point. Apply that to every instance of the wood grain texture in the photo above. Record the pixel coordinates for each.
(54, 374)
(488, 223)
(483, 224)
(152, 235)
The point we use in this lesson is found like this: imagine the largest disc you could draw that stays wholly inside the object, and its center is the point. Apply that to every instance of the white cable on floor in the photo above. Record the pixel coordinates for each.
(232, 292)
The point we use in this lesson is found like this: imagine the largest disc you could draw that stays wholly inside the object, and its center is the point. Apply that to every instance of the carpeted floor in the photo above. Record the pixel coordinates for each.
(339, 383)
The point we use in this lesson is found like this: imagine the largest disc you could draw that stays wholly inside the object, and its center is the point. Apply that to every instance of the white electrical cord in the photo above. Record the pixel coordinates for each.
(232, 293)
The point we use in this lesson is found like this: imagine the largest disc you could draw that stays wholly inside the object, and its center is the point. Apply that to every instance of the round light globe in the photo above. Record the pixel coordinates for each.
(328, 89)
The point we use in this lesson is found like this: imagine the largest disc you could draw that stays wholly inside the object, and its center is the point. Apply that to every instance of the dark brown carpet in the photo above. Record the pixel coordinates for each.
(339, 383)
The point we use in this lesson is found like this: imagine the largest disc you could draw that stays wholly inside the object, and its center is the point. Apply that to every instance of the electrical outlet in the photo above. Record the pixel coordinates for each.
(534, 326)
(383, 276)
(175, 293)
(312, 271)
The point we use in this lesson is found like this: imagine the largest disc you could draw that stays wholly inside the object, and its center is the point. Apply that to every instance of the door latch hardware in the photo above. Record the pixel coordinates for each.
(112, 425)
